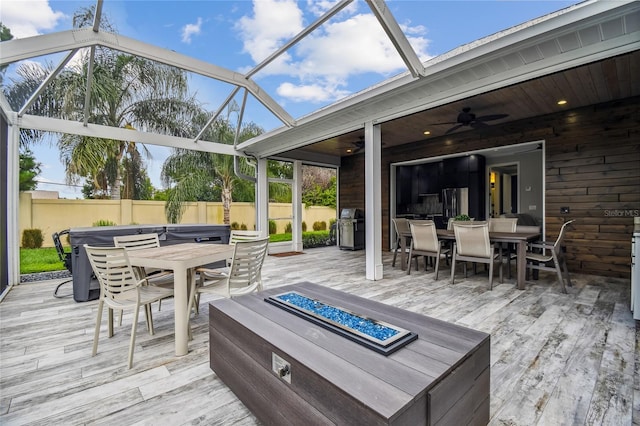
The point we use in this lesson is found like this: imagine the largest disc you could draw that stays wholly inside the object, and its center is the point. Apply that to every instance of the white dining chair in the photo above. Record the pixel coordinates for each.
(425, 242)
(121, 289)
(244, 275)
(400, 226)
(472, 244)
(155, 277)
(504, 224)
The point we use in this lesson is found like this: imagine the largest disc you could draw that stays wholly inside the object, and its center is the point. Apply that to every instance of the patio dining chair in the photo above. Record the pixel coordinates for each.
(121, 289)
(210, 275)
(504, 224)
(400, 225)
(550, 257)
(472, 244)
(425, 242)
(244, 275)
(155, 277)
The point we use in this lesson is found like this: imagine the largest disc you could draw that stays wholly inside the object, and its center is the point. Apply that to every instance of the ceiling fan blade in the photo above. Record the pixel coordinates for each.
(491, 117)
(443, 123)
(478, 124)
(453, 129)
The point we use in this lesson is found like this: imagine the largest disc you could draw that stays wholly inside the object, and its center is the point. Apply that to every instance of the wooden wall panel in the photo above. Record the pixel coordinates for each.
(592, 166)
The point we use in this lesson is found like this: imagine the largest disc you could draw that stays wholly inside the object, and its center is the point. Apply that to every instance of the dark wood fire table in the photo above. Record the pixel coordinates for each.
(289, 370)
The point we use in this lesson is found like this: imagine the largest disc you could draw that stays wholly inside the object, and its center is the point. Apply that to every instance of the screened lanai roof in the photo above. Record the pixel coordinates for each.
(71, 41)
(427, 92)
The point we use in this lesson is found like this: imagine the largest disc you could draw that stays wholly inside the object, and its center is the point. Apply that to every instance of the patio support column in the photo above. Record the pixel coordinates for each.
(13, 201)
(373, 201)
(296, 201)
(262, 198)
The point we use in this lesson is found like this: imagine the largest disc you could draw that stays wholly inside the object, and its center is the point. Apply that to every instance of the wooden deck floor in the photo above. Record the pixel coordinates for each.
(555, 358)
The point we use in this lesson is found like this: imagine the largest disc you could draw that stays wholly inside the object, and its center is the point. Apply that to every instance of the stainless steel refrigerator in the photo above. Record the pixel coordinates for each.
(455, 201)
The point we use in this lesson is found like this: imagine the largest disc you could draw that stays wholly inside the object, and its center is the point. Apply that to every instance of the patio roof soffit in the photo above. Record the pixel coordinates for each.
(26, 48)
(585, 33)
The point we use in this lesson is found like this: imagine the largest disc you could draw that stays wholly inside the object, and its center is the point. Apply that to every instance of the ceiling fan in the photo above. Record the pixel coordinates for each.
(467, 118)
(359, 145)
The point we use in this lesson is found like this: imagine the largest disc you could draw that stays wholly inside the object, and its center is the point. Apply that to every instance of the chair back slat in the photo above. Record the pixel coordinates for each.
(240, 235)
(424, 236)
(503, 224)
(137, 241)
(472, 239)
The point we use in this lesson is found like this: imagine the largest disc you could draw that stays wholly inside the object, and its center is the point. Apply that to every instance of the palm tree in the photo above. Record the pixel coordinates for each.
(127, 92)
(195, 172)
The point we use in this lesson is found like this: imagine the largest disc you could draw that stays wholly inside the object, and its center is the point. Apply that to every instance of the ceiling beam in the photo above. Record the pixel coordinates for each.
(47, 124)
(30, 47)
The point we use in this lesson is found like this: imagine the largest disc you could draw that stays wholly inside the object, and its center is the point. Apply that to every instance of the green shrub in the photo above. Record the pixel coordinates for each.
(32, 238)
(315, 239)
(235, 225)
(104, 222)
(304, 226)
(320, 226)
(288, 228)
(273, 228)
(243, 227)
(462, 217)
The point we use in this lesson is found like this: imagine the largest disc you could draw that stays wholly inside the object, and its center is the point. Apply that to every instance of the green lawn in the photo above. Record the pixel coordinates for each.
(39, 260)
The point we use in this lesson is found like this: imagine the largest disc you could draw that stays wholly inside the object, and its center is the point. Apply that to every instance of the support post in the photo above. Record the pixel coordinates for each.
(296, 204)
(373, 201)
(262, 198)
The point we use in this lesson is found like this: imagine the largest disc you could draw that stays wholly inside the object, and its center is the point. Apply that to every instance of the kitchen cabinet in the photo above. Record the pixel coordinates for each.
(430, 178)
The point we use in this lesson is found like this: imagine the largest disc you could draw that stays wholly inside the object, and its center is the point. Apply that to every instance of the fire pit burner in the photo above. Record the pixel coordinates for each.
(378, 335)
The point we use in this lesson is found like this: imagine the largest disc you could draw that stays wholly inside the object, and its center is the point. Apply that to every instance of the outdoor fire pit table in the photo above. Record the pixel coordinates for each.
(291, 358)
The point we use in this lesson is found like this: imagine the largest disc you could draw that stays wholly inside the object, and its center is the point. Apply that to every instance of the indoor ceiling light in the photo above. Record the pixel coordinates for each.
(427, 132)
(562, 102)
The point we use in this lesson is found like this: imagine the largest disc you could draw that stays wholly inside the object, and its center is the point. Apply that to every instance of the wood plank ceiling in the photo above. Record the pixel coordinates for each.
(603, 81)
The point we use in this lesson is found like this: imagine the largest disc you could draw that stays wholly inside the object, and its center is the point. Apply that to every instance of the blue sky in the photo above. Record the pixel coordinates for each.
(343, 56)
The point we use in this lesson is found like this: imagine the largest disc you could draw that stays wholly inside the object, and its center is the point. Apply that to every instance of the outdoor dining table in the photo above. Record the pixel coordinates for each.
(181, 259)
(519, 238)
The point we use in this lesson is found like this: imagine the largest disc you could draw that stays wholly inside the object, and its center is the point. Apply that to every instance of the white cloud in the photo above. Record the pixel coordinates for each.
(190, 30)
(274, 22)
(320, 92)
(27, 18)
(319, 66)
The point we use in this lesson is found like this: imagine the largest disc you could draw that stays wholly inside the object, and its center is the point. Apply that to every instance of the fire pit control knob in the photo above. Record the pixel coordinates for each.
(281, 367)
(284, 370)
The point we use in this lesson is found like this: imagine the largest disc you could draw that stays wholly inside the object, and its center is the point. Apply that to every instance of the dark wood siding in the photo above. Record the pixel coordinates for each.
(592, 166)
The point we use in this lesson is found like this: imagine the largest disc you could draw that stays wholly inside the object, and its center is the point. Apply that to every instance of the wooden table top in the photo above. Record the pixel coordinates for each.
(187, 255)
